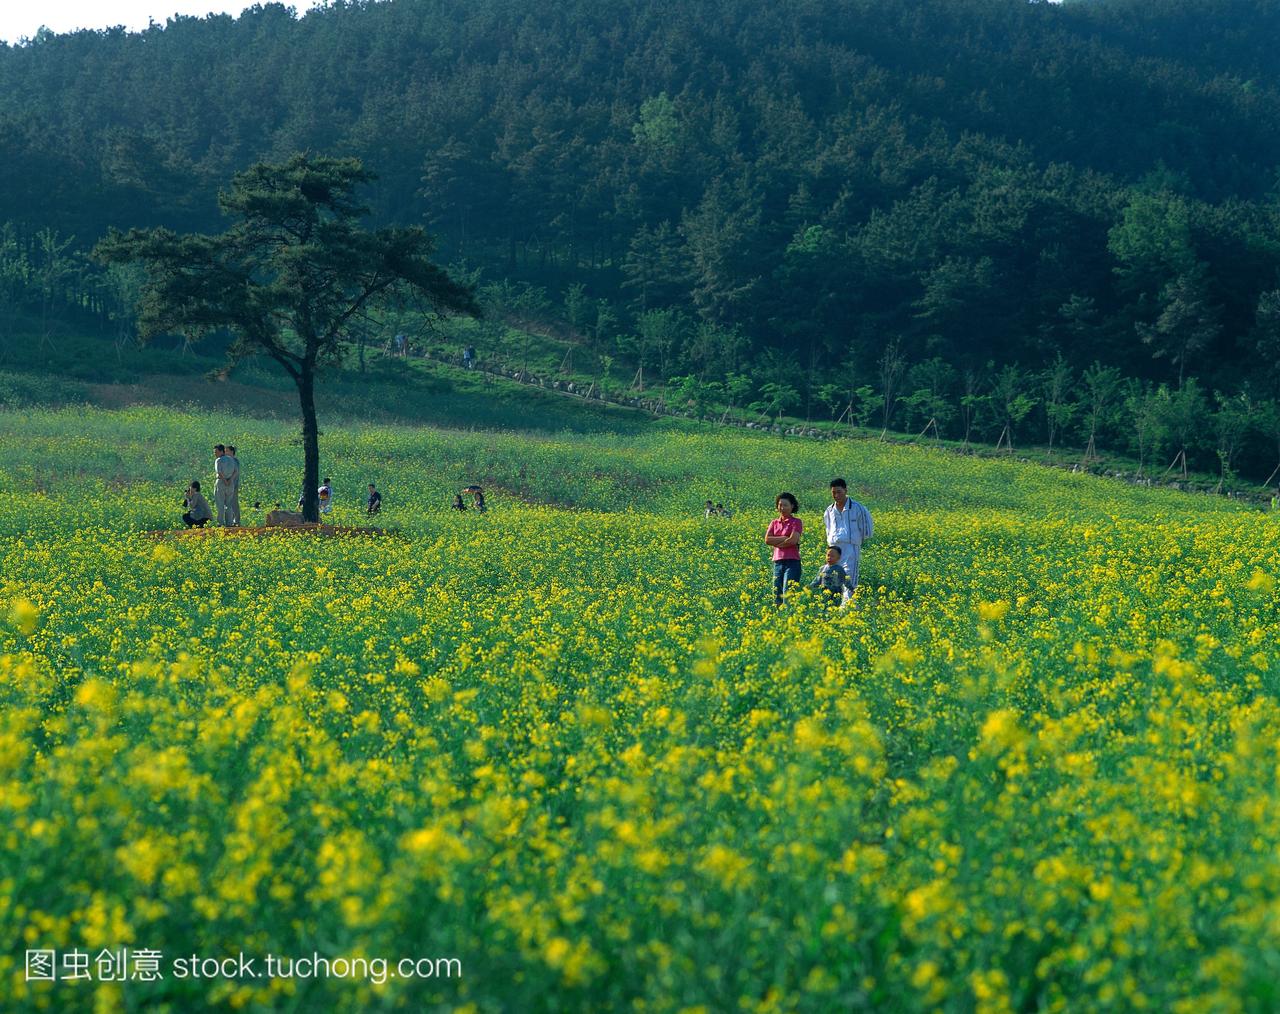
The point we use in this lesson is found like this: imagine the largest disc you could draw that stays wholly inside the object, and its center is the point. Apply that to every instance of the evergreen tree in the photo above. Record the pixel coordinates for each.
(289, 279)
(1187, 323)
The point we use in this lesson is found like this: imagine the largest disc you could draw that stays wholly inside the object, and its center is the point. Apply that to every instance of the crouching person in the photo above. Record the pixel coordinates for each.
(197, 513)
(833, 581)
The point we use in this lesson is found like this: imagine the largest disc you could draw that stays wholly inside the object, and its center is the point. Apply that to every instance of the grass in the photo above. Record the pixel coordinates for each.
(434, 391)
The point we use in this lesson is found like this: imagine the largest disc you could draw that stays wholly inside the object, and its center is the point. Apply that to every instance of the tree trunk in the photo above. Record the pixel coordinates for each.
(1272, 475)
(310, 444)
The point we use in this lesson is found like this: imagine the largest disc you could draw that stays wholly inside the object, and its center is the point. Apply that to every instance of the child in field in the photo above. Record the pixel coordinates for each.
(326, 496)
(832, 579)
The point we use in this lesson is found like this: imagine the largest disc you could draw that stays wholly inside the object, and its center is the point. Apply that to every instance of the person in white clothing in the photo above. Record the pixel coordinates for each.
(224, 471)
(848, 525)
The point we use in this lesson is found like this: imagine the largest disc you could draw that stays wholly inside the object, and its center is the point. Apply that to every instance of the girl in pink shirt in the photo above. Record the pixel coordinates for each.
(783, 534)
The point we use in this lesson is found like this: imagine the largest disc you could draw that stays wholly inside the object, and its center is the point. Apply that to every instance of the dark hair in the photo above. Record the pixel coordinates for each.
(219, 447)
(837, 549)
(795, 504)
(371, 485)
(839, 482)
(195, 484)
(232, 449)
(327, 480)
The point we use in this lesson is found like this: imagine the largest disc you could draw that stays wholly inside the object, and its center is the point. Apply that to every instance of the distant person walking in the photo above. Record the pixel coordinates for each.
(325, 493)
(469, 357)
(374, 504)
(848, 526)
(197, 513)
(783, 534)
(710, 510)
(224, 471)
(477, 501)
(235, 487)
(458, 504)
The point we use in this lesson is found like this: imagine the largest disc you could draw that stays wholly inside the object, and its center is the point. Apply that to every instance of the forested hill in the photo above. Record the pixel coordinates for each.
(983, 180)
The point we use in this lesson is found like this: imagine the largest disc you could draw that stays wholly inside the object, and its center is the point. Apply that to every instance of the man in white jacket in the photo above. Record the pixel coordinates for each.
(225, 472)
(848, 526)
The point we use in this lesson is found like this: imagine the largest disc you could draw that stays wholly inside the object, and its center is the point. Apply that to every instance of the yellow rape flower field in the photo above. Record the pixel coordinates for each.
(571, 745)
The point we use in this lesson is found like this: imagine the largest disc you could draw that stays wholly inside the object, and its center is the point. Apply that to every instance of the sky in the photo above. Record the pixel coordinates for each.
(19, 18)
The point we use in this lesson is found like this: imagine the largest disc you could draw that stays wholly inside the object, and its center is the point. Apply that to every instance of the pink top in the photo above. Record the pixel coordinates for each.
(785, 526)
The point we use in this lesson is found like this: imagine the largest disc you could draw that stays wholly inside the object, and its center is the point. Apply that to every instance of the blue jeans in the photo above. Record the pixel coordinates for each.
(785, 572)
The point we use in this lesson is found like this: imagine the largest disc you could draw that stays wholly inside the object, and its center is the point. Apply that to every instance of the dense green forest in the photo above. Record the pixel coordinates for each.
(1055, 220)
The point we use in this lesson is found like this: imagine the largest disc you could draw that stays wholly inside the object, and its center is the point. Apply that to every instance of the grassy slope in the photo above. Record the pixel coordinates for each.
(82, 370)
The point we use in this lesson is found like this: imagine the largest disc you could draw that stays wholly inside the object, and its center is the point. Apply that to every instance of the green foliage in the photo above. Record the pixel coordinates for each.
(1152, 241)
(24, 390)
(867, 404)
(1101, 401)
(659, 126)
(775, 398)
(1010, 396)
(822, 181)
(1056, 384)
(1181, 416)
(1266, 336)
(1187, 323)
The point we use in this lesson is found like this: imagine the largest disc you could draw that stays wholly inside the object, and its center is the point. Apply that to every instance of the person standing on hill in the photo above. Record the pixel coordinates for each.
(848, 526)
(235, 487)
(224, 471)
(783, 534)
